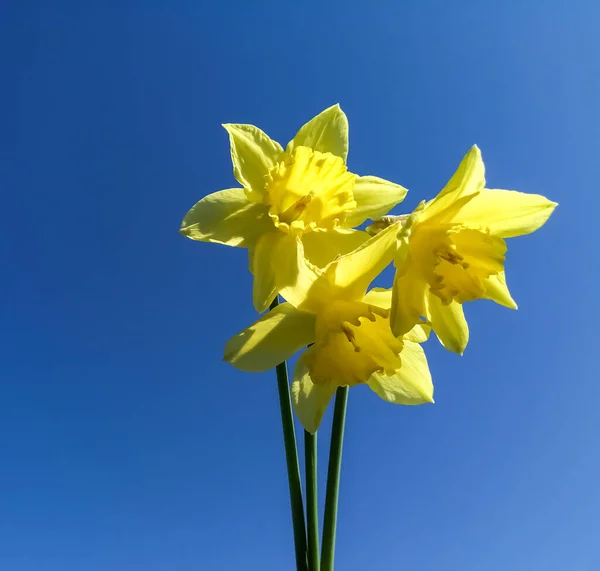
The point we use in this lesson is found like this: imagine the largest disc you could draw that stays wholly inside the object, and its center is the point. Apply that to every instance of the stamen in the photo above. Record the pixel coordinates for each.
(350, 336)
(450, 256)
(297, 208)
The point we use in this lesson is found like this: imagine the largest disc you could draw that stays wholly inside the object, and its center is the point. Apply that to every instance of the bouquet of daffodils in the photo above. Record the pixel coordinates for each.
(297, 213)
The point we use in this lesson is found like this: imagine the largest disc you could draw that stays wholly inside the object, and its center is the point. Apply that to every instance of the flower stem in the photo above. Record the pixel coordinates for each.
(312, 505)
(333, 479)
(293, 468)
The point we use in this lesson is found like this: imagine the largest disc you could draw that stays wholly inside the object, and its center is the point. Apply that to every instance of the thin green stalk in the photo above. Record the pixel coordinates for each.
(312, 504)
(291, 458)
(333, 479)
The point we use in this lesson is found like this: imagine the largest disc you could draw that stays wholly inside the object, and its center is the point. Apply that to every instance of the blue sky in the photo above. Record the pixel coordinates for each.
(126, 443)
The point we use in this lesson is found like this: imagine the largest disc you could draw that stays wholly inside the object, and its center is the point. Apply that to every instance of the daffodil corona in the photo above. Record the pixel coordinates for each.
(451, 250)
(349, 330)
(303, 191)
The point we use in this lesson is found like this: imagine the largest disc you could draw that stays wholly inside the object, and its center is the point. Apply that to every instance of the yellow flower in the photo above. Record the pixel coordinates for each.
(451, 250)
(350, 329)
(303, 191)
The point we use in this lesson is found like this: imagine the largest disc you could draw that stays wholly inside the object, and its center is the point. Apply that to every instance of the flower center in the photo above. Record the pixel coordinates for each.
(353, 340)
(465, 258)
(309, 190)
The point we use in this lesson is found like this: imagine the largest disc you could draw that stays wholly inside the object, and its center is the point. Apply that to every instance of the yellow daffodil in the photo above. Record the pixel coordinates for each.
(350, 329)
(304, 190)
(451, 250)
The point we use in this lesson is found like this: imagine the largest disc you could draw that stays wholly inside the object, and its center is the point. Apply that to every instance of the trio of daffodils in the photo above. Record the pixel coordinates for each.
(297, 211)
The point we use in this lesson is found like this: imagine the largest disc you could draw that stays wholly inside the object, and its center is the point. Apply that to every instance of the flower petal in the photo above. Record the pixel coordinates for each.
(411, 384)
(419, 333)
(496, 290)
(301, 283)
(227, 217)
(379, 297)
(275, 337)
(253, 153)
(264, 288)
(326, 133)
(468, 180)
(352, 273)
(449, 323)
(375, 197)
(508, 213)
(310, 400)
(320, 248)
(408, 300)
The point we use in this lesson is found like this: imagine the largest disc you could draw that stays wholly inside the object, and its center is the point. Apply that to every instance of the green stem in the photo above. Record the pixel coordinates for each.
(312, 505)
(333, 479)
(293, 468)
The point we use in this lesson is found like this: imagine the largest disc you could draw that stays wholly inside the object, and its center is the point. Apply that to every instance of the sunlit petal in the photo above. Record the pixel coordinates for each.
(449, 324)
(508, 213)
(227, 217)
(497, 290)
(320, 248)
(408, 301)
(272, 339)
(310, 400)
(379, 297)
(253, 153)
(264, 287)
(374, 198)
(468, 180)
(301, 283)
(352, 274)
(411, 384)
(326, 133)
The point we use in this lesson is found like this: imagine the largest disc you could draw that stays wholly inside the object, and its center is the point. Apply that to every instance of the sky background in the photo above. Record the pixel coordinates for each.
(126, 444)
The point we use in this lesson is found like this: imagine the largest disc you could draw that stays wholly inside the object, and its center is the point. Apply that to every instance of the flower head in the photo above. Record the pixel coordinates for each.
(451, 250)
(349, 330)
(303, 191)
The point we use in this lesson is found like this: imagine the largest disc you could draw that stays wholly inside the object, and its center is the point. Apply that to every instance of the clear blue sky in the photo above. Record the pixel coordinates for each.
(126, 444)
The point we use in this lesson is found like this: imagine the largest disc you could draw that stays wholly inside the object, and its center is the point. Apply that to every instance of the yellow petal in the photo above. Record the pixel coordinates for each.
(320, 248)
(374, 197)
(379, 297)
(468, 180)
(352, 274)
(264, 287)
(408, 300)
(461, 271)
(326, 133)
(496, 290)
(508, 213)
(310, 400)
(382, 298)
(227, 217)
(301, 283)
(411, 384)
(275, 337)
(449, 324)
(352, 341)
(419, 333)
(253, 153)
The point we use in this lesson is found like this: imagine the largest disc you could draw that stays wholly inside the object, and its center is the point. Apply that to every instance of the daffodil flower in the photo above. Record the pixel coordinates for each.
(349, 330)
(451, 250)
(304, 191)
